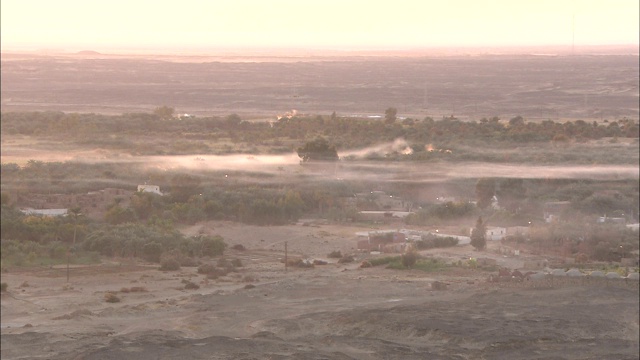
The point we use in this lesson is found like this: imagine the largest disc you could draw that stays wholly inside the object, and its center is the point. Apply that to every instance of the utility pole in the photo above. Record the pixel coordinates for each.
(286, 261)
(76, 211)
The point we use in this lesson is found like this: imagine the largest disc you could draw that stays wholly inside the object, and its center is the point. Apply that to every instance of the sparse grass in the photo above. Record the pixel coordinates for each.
(133, 289)
(427, 265)
(384, 260)
(430, 265)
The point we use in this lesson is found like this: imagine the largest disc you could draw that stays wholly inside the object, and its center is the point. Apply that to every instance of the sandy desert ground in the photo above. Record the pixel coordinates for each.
(333, 311)
(469, 87)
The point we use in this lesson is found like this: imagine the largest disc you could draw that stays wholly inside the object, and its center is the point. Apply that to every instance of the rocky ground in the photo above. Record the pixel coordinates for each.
(333, 311)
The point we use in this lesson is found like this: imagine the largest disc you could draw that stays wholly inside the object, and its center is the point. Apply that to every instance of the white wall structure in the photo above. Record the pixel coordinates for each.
(150, 188)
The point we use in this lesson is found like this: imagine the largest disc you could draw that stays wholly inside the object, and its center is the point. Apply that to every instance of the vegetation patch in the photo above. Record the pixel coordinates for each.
(111, 298)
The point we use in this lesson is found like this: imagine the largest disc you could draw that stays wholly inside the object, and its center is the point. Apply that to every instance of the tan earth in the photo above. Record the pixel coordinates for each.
(333, 311)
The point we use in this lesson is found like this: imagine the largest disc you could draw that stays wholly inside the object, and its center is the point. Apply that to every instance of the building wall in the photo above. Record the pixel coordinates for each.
(93, 204)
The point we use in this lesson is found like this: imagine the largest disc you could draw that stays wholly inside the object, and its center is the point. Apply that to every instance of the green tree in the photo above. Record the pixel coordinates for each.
(234, 119)
(119, 215)
(318, 149)
(390, 115)
(183, 186)
(164, 112)
(511, 194)
(211, 245)
(516, 121)
(478, 235)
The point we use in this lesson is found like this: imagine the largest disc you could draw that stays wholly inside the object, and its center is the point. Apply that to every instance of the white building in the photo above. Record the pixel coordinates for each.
(45, 212)
(150, 188)
(494, 233)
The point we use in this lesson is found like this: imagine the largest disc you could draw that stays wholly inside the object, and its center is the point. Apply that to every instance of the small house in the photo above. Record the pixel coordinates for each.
(155, 189)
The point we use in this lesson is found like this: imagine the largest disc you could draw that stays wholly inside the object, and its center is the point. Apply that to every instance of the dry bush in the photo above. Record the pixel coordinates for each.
(224, 263)
(187, 261)
(249, 286)
(124, 290)
(346, 259)
(236, 262)
(409, 259)
(138, 289)
(169, 264)
(216, 273)
(239, 247)
(335, 254)
(365, 264)
(206, 268)
(319, 262)
(111, 298)
(191, 286)
(4, 286)
(293, 262)
(249, 278)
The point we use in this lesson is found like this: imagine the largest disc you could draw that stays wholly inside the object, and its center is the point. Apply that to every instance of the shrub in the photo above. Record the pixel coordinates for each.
(429, 265)
(224, 263)
(346, 259)
(212, 246)
(236, 262)
(152, 251)
(249, 278)
(239, 247)
(335, 254)
(191, 286)
(187, 261)
(211, 271)
(111, 298)
(383, 260)
(169, 264)
(206, 269)
(409, 258)
(365, 264)
(4, 286)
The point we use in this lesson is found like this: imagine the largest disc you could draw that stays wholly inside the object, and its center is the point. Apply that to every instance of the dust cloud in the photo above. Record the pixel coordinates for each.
(286, 168)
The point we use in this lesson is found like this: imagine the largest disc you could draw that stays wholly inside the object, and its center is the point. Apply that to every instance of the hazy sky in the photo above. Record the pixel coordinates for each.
(355, 24)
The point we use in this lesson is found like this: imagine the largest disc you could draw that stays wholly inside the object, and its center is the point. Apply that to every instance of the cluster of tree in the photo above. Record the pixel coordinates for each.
(432, 241)
(437, 213)
(197, 133)
(318, 150)
(600, 242)
(54, 236)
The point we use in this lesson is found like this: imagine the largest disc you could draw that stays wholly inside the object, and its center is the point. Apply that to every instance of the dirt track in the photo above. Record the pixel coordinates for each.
(328, 312)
